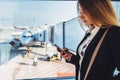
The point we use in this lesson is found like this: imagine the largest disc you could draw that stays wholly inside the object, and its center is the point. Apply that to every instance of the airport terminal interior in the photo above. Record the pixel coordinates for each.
(28, 31)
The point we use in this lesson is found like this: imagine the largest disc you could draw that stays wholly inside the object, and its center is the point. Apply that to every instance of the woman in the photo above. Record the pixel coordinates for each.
(99, 15)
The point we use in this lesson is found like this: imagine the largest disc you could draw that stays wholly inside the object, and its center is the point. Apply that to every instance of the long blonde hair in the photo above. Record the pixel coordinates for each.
(99, 11)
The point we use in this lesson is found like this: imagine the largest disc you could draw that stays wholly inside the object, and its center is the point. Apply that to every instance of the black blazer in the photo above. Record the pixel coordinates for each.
(107, 59)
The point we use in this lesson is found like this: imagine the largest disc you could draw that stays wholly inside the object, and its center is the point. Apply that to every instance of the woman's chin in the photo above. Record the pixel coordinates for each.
(87, 24)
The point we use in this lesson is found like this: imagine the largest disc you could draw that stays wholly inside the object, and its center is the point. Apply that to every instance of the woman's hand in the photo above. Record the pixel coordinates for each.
(65, 53)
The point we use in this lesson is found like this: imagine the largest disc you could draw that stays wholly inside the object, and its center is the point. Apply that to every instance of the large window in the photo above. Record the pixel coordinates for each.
(74, 33)
(116, 5)
(17, 16)
(58, 34)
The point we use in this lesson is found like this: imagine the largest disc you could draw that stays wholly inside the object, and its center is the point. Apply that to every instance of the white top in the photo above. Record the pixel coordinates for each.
(86, 42)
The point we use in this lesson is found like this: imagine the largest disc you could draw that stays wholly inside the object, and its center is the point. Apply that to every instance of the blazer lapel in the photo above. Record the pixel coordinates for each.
(86, 35)
(95, 40)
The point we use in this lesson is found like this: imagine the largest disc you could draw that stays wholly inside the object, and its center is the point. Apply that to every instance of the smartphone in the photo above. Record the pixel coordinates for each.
(59, 49)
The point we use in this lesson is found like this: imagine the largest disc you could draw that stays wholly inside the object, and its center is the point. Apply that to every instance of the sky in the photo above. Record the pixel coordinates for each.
(36, 13)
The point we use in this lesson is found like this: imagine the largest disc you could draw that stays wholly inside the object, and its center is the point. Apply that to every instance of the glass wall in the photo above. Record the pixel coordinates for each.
(73, 34)
(58, 34)
(4, 51)
(116, 5)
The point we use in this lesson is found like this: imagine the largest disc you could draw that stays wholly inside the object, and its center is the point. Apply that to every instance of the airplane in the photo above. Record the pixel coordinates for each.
(20, 28)
(27, 37)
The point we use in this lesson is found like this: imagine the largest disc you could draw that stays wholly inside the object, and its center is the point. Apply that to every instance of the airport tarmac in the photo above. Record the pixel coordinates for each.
(22, 68)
